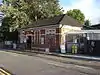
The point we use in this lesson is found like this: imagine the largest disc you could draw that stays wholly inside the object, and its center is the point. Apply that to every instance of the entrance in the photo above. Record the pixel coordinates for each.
(51, 42)
(29, 41)
(96, 50)
(94, 47)
(77, 42)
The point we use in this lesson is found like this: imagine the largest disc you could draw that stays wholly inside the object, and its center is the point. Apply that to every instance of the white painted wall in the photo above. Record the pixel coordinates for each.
(68, 28)
(65, 29)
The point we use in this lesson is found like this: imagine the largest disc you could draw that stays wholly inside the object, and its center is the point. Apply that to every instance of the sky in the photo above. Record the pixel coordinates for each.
(0, 1)
(90, 8)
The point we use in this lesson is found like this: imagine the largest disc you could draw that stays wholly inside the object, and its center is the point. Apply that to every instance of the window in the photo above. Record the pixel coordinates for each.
(42, 37)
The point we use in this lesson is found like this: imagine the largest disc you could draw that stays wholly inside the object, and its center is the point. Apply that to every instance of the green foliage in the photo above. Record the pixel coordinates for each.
(23, 12)
(40, 9)
(87, 23)
(76, 14)
(18, 18)
(5, 24)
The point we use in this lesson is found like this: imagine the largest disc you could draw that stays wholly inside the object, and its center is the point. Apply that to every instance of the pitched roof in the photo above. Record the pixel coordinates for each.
(67, 20)
(61, 19)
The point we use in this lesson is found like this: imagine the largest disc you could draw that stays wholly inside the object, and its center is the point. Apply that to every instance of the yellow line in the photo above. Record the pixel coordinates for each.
(1, 73)
(4, 72)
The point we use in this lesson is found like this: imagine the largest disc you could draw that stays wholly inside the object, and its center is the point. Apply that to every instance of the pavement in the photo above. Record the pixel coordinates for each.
(82, 57)
(42, 64)
(78, 56)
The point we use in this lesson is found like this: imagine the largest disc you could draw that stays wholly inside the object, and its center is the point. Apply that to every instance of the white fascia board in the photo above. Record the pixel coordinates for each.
(69, 26)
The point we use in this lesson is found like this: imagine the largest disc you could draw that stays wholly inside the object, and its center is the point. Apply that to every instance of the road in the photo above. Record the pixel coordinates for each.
(19, 64)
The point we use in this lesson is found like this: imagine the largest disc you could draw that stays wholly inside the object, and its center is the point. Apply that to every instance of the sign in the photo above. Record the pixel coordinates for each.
(63, 49)
(14, 46)
(47, 50)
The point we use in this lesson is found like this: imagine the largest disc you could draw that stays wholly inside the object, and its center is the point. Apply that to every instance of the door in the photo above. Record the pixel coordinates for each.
(52, 42)
(96, 47)
(29, 41)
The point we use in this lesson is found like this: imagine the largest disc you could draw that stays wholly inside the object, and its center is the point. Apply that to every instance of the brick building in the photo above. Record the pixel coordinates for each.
(48, 33)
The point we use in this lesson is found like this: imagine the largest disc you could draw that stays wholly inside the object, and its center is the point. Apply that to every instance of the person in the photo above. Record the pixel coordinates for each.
(74, 49)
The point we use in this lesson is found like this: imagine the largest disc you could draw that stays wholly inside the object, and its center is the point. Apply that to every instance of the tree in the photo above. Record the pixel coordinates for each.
(5, 27)
(40, 9)
(87, 23)
(76, 14)
(5, 24)
(18, 18)
(23, 12)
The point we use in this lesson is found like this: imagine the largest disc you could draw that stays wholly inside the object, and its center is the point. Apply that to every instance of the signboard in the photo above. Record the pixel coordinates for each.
(63, 50)
(47, 50)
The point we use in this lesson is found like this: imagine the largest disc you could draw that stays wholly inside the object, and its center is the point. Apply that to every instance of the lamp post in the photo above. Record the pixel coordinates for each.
(31, 39)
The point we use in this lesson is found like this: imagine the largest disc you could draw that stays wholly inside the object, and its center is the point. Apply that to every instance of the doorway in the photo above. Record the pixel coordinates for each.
(51, 42)
(29, 42)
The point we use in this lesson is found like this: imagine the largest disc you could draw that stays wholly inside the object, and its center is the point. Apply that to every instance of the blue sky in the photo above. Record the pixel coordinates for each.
(0, 1)
(91, 8)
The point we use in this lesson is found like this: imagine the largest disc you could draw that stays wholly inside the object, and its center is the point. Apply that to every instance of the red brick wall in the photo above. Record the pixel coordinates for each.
(54, 43)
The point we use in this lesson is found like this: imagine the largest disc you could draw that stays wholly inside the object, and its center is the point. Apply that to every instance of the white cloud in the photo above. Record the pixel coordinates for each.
(88, 7)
